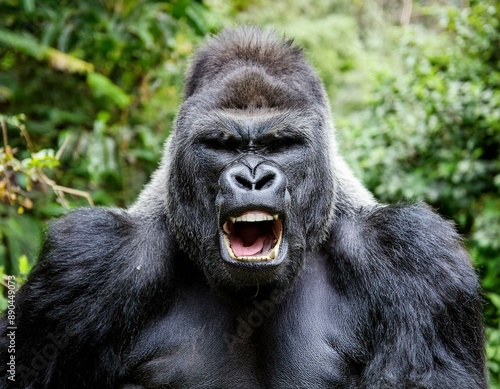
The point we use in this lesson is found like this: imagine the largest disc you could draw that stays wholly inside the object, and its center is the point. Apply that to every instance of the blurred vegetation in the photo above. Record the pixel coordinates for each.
(89, 90)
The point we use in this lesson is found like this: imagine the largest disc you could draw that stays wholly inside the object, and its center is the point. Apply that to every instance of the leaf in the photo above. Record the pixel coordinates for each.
(495, 299)
(29, 6)
(22, 234)
(45, 158)
(23, 43)
(101, 86)
(27, 44)
(24, 265)
(65, 62)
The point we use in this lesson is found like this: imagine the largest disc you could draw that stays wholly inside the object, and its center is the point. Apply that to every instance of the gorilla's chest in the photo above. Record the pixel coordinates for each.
(290, 341)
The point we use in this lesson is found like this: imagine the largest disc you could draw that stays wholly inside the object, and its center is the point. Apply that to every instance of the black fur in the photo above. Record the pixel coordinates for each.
(363, 295)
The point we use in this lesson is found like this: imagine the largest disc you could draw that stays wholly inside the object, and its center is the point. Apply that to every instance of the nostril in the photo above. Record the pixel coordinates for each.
(243, 182)
(241, 179)
(265, 181)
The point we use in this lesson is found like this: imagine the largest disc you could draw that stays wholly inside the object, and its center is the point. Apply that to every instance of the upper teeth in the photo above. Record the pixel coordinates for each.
(254, 217)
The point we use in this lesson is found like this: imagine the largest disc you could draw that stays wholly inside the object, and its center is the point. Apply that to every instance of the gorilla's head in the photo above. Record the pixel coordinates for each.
(249, 171)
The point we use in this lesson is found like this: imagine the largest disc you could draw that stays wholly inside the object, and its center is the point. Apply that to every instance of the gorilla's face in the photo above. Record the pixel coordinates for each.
(250, 192)
(250, 185)
(253, 199)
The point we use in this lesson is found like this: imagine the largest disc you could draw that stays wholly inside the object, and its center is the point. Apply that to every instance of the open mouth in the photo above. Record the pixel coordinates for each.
(253, 236)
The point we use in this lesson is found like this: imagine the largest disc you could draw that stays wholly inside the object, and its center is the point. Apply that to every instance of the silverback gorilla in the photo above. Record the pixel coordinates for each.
(253, 259)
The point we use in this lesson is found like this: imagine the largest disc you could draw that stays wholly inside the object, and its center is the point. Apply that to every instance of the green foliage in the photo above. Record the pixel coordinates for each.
(24, 183)
(101, 86)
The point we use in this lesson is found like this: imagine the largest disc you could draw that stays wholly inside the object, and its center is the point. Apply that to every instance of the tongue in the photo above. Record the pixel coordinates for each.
(249, 241)
(240, 250)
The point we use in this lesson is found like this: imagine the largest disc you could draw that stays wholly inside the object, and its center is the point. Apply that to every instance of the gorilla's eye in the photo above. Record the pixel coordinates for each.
(253, 236)
(283, 143)
(217, 141)
(217, 144)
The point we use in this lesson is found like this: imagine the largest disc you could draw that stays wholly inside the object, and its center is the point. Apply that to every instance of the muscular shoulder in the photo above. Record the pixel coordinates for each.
(405, 268)
(403, 243)
(97, 261)
(100, 236)
(88, 234)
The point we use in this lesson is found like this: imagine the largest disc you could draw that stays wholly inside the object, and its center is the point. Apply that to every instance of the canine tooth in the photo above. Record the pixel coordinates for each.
(233, 219)
(275, 217)
(226, 228)
(272, 254)
(228, 247)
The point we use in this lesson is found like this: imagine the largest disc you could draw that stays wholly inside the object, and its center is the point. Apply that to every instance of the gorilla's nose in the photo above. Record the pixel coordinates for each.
(261, 177)
(252, 183)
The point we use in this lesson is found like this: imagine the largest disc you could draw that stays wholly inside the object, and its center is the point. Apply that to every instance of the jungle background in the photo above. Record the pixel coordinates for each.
(89, 91)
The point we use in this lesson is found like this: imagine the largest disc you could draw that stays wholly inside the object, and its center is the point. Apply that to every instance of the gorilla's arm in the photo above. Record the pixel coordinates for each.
(424, 321)
(99, 274)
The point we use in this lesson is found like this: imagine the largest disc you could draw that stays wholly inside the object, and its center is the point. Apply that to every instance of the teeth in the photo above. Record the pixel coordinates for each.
(274, 252)
(271, 256)
(253, 217)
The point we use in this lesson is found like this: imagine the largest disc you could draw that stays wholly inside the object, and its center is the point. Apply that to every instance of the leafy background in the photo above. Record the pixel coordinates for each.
(89, 90)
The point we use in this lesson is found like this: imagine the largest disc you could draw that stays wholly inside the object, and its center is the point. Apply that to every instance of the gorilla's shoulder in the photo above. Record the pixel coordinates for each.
(101, 235)
(99, 260)
(406, 271)
(89, 232)
(408, 244)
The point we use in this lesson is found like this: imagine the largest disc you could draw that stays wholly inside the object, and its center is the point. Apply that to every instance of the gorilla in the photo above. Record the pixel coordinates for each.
(253, 259)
